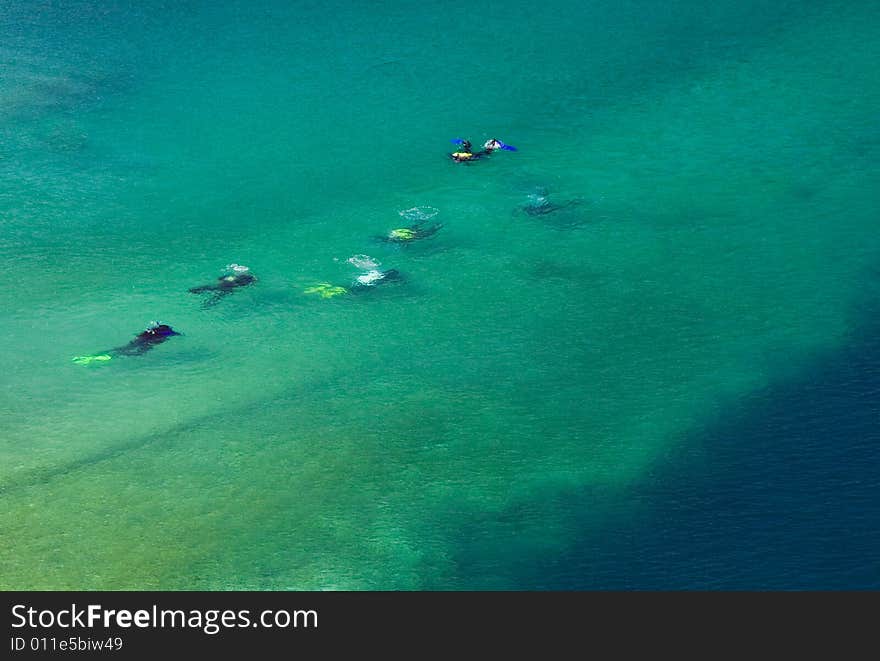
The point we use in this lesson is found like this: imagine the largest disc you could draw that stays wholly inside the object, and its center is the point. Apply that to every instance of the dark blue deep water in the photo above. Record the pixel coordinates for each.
(781, 494)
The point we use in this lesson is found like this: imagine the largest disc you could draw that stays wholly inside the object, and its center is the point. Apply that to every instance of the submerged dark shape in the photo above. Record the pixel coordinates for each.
(411, 233)
(540, 204)
(556, 215)
(224, 286)
(155, 334)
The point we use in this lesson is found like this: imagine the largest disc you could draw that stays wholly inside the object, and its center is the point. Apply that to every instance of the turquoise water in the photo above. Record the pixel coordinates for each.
(723, 164)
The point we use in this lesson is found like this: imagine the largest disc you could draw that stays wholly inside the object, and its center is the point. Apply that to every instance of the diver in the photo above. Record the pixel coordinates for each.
(370, 273)
(154, 334)
(364, 282)
(539, 203)
(237, 276)
(375, 277)
(370, 278)
(410, 234)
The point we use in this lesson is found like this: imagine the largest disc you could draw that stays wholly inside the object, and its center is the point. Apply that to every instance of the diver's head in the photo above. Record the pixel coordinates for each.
(238, 280)
(162, 330)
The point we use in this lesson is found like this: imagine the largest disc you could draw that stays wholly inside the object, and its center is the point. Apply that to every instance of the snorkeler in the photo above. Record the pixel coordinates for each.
(238, 276)
(464, 156)
(155, 334)
(410, 234)
(494, 143)
(465, 152)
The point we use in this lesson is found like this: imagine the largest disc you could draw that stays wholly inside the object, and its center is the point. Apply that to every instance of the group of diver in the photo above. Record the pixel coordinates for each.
(371, 275)
(238, 276)
(156, 333)
(466, 153)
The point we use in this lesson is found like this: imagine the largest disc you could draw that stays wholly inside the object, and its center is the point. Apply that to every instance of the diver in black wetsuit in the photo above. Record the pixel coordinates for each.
(155, 334)
(224, 286)
(145, 341)
(410, 234)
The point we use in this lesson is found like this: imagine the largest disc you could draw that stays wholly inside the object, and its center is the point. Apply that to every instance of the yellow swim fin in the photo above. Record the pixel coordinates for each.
(326, 290)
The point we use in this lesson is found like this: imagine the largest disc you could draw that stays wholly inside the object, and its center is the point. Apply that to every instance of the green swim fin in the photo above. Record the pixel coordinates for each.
(88, 360)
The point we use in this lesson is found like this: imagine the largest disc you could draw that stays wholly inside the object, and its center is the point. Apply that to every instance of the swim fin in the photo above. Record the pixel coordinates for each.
(88, 360)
